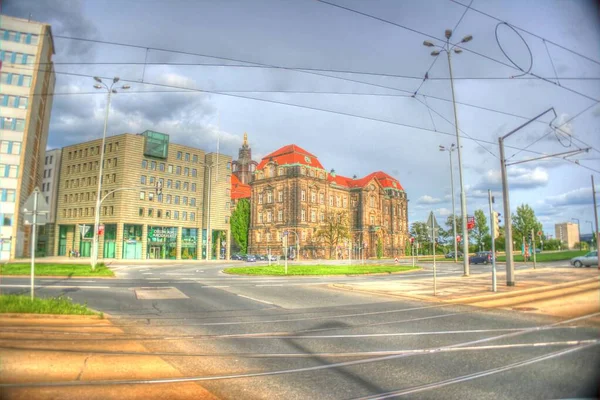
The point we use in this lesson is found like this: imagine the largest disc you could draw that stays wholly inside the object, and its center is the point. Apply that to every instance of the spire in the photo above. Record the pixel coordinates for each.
(245, 140)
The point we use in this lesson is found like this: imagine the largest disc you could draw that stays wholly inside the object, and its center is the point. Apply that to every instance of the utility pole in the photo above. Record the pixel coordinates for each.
(492, 224)
(533, 247)
(595, 217)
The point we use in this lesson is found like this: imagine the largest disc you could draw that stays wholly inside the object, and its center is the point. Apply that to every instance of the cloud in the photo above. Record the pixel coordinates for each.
(518, 178)
(426, 199)
(442, 212)
(579, 196)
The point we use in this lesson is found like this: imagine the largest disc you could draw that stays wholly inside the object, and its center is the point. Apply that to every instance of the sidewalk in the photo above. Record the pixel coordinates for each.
(554, 287)
(29, 354)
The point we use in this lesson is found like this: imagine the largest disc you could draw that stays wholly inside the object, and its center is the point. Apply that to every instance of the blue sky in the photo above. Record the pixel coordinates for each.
(311, 34)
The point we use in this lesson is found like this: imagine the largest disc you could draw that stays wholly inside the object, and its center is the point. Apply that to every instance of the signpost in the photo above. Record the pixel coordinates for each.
(83, 230)
(433, 225)
(285, 250)
(533, 247)
(36, 207)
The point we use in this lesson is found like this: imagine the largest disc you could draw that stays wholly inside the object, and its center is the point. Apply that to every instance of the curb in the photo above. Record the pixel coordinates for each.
(473, 299)
(51, 316)
(59, 276)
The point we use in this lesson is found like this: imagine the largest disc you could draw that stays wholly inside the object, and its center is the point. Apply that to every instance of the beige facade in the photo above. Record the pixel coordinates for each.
(567, 233)
(49, 188)
(139, 221)
(291, 192)
(26, 87)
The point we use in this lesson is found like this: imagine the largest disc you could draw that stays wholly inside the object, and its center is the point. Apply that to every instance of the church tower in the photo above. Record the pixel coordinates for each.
(244, 167)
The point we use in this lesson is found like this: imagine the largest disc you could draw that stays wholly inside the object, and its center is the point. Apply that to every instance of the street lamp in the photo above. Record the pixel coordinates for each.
(110, 90)
(463, 199)
(578, 230)
(450, 150)
(592, 230)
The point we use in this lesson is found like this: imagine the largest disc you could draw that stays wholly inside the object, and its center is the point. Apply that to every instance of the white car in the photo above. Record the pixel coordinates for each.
(589, 259)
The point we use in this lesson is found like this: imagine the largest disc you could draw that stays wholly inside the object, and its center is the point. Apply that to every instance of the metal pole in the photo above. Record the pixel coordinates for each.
(463, 197)
(269, 255)
(595, 217)
(533, 248)
(453, 209)
(492, 224)
(510, 268)
(433, 249)
(33, 240)
(285, 251)
(413, 253)
(99, 191)
(208, 233)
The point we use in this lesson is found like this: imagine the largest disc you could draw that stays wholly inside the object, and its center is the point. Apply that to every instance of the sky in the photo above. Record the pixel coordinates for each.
(342, 85)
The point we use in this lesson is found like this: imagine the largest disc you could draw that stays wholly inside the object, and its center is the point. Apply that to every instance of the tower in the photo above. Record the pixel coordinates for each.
(244, 167)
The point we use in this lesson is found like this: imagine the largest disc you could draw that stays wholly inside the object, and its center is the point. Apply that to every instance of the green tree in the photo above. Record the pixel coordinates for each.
(419, 231)
(480, 233)
(379, 248)
(240, 224)
(458, 224)
(522, 224)
(335, 230)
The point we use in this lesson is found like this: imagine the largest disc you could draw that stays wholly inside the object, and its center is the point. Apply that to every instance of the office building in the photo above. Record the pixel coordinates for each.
(160, 200)
(568, 234)
(26, 87)
(49, 189)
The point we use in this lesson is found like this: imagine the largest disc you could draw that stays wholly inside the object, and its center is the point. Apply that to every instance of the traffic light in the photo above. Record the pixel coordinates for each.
(496, 224)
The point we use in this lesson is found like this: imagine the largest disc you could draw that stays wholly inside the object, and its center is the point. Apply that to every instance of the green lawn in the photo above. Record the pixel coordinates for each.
(23, 304)
(558, 256)
(55, 270)
(318, 269)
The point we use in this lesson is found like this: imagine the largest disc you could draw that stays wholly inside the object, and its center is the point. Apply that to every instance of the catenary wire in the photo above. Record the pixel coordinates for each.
(524, 72)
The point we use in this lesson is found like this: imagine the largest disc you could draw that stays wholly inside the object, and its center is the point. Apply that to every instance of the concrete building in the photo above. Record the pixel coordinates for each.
(26, 87)
(293, 195)
(49, 188)
(188, 220)
(567, 233)
(244, 166)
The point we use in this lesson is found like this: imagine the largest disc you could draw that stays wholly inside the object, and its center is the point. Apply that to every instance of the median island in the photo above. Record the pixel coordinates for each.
(24, 304)
(292, 270)
(67, 270)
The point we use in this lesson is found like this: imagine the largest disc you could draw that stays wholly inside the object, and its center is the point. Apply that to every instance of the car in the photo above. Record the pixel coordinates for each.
(538, 250)
(237, 257)
(482, 257)
(261, 257)
(451, 254)
(589, 259)
(251, 258)
(273, 257)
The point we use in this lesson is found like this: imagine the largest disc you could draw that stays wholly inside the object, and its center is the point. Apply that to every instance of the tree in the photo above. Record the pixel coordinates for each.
(419, 231)
(240, 224)
(458, 224)
(522, 224)
(480, 232)
(335, 230)
(379, 247)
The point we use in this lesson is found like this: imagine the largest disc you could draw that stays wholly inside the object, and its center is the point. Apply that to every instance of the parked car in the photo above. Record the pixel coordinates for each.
(261, 257)
(589, 259)
(451, 254)
(482, 257)
(237, 257)
(251, 258)
(538, 250)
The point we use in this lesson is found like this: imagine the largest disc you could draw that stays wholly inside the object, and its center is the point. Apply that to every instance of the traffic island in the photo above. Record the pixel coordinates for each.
(56, 270)
(320, 270)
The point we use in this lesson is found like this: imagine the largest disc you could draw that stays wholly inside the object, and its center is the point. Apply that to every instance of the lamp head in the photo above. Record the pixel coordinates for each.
(467, 38)
(458, 51)
(435, 53)
(448, 33)
(115, 79)
(126, 87)
(97, 79)
(98, 86)
(428, 43)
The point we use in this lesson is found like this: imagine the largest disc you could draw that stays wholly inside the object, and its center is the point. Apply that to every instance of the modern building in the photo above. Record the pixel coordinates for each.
(160, 200)
(26, 88)
(49, 188)
(244, 166)
(567, 233)
(294, 196)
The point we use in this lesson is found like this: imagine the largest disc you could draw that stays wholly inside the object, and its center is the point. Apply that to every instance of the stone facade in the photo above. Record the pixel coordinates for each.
(139, 221)
(293, 193)
(244, 167)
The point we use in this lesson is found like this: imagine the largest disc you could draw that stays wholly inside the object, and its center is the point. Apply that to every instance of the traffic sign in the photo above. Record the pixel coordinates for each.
(540, 233)
(83, 229)
(458, 238)
(42, 206)
(470, 223)
(100, 230)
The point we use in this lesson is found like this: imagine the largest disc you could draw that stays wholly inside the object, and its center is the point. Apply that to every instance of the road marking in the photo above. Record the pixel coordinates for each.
(210, 287)
(147, 273)
(252, 298)
(57, 287)
(155, 279)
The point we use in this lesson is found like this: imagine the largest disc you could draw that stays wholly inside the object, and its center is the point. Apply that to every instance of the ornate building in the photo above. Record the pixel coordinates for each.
(244, 167)
(293, 193)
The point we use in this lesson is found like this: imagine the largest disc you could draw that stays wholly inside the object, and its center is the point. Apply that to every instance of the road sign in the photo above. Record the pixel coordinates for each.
(83, 229)
(470, 223)
(42, 206)
(458, 238)
(540, 233)
(432, 222)
(42, 219)
(100, 230)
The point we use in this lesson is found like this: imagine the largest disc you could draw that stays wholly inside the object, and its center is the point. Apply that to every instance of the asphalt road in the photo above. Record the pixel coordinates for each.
(295, 338)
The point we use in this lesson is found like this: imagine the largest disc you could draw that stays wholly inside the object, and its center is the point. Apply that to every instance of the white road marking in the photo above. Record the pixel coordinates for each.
(252, 298)
(210, 287)
(155, 279)
(57, 287)
(147, 273)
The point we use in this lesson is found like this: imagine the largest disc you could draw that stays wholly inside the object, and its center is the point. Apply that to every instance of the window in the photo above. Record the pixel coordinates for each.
(178, 170)
(331, 200)
(193, 201)
(153, 165)
(280, 194)
(168, 199)
(269, 197)
(313, 197)
(228, 192)
(158, 214)
(179, 155)
(193, 187)
(175, 214)
(269, 216)
(338, 201)
(170, 169)
(169, 183)
(167, 214)
(195, 159)
(194, 172)
(372, 201)
(177, 185)
(303, 216)
(186, 185)
(7, 219)
(142, 195)
(372, 219)
(345, 202)
(8, 195)
(321, 198)
(141, 212)
(150, 212)
(260, 218)
(150, 196)
(280, 171)
(152, 180)
(303, 195)
(144, 164)
(184, 200)
(322, 217)
(303, 235)
(260, 198)
(186, 171)
(176, 199)
(313, 216)
(161, 167)
(9, 171)
(192, 216)
(187, 156)
(280, 215)
(143, 179)
(184, 215)
(228, 165)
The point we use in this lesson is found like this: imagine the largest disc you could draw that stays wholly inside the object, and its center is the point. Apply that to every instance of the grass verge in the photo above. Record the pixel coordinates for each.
(318, 269)
(55, 270)
(541, 257)
(10, 303)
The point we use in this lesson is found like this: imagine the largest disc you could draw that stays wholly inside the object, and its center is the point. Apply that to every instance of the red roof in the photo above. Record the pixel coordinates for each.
(291, 154)
(384, 179)
(239, 190)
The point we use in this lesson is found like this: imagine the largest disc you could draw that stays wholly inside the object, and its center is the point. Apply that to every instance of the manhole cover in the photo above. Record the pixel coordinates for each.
(159, 293)
(524, 308)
